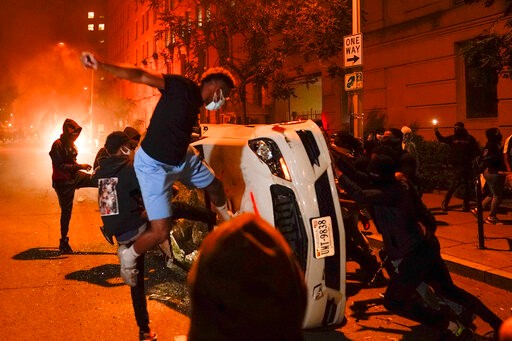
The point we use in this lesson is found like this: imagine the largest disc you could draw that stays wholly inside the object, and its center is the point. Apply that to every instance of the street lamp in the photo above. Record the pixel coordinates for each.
(91, 106)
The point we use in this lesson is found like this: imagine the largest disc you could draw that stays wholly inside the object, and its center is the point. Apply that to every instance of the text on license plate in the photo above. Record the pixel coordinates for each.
(323, 237)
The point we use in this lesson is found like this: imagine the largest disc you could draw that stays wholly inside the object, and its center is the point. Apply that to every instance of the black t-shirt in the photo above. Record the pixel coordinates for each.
(175, 114)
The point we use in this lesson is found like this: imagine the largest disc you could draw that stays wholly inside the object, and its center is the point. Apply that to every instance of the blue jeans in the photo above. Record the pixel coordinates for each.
(496, 183)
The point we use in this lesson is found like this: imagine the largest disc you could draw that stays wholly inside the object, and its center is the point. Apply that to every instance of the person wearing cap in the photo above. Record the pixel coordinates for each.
(413, 251)
(133, 135)
(246, 285)
(67, 176)
(123, 214)
(463, 151)
(165, 154)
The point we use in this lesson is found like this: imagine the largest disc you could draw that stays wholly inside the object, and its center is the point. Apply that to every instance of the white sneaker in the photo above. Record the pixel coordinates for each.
(128, 271)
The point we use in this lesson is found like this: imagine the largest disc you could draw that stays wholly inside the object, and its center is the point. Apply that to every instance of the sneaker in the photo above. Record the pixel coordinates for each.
(147, 336)
(64, 247)
(444, 205)
(474, 211)
(493, 221)
(128, 271)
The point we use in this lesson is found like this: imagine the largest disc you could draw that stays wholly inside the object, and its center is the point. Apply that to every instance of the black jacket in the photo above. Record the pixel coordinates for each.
(398, 212)
(119, 196)
(464, 148)
(64, 153)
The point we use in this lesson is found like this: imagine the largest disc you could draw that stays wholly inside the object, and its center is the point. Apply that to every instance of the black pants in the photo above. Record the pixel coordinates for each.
(358, 247)
(425, 264)
(139, 297)
(66, 194)
(461, 177)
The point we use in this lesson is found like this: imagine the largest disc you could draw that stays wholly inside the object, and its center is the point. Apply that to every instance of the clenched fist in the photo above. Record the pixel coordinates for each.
(89, 61)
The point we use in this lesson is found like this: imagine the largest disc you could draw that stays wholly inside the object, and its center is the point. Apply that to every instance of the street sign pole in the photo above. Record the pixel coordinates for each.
(357, 97)
(479, 216)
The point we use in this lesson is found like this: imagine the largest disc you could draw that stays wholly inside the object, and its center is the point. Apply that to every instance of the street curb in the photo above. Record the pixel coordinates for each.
(485, 274)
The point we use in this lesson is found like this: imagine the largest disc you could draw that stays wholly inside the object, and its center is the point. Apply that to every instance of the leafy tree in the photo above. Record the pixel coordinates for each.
(255, 38)
(491, 49)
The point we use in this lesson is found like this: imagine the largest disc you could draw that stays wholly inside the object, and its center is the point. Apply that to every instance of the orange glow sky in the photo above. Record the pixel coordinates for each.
(48, 77)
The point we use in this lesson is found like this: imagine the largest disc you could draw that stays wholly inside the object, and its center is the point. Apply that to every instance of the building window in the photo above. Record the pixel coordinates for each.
(481, 92)
(90, 27)
(101, 27)
(480, 80)
(90, 15)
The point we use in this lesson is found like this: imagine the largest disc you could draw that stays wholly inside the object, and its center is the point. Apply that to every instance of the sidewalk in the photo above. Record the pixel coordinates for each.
(457, 232)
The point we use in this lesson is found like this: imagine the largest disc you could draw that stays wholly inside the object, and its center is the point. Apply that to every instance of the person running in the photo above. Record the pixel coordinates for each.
(67, 176)
(165, 154)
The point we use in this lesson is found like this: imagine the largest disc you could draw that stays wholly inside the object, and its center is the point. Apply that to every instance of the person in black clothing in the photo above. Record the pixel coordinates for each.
(123, 214)
(407, 165)
(134, 136)
(345, 151)
(464, 150)
(492, 157)
(67, 176)
(408, 231)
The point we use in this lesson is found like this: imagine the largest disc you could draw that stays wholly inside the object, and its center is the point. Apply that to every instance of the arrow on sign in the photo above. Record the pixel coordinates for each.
(353, 59)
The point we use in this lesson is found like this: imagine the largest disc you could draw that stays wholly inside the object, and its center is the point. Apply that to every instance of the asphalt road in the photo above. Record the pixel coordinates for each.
(44, 295)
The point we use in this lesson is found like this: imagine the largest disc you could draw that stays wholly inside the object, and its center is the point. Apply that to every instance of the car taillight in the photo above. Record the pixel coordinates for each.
(268, 152)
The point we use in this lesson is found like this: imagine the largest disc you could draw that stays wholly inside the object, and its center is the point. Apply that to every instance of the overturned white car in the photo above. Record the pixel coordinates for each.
(283, 173)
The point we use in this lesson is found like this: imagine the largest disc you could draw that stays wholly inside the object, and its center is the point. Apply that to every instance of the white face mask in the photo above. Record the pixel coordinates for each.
(217, 102)
(125, 150)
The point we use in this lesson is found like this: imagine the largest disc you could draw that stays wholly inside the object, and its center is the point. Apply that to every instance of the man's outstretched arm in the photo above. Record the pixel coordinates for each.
(132, 74)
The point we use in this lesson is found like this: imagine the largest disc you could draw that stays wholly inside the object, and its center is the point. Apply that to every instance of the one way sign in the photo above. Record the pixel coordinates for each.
(353, 50)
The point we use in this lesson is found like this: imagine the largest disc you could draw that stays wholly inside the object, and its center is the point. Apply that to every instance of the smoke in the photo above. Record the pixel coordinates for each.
(50, 82)
(47, 75)
(52, 86)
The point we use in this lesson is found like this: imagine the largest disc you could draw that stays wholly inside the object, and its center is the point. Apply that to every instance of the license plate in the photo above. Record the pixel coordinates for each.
(323, 237)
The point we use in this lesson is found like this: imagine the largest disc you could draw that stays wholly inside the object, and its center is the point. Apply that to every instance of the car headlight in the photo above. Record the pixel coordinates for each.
(268, 152)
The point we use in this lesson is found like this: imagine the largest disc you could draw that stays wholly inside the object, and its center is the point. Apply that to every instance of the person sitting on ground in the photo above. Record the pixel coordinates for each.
(246, 285)
(123, 214)
(464, 149)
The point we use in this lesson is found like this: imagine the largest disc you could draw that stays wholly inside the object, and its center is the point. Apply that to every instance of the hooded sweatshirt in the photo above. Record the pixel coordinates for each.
(119, 195)
(63, 154)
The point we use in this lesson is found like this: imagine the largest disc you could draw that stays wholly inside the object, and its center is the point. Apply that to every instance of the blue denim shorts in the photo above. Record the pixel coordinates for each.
(156, 179)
